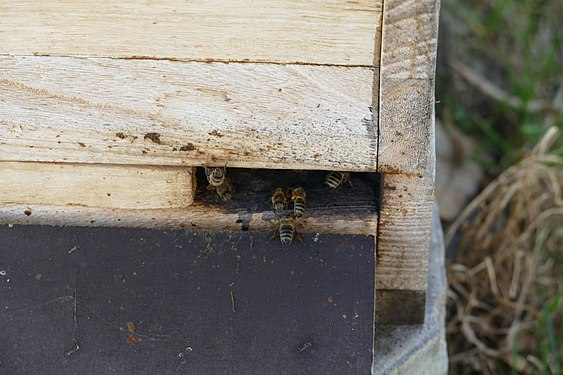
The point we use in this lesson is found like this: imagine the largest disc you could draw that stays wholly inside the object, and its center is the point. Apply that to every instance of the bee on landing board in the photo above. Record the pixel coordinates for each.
(287, 230)
(215, 175)
(279, 199)
(298, 197)
(335, 179)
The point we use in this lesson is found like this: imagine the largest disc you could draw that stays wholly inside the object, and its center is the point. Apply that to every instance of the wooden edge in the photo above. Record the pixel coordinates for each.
(245, 115)
(330, 32)
(400, 307)
(402, 244)
(96, 185)
(197, 216)
(406, 98)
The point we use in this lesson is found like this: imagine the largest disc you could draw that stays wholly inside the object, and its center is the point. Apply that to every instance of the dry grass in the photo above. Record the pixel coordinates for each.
(506, 283)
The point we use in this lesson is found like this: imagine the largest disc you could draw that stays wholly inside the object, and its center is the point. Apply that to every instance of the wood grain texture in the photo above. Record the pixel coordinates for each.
(243, 115)
(403, 240)
(287, 31)
(106, 186)
(406, 97)
(350, 211)
(197, 216)
(404, 232)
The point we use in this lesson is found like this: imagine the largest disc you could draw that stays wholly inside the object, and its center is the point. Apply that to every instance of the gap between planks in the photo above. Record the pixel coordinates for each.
(316, 31)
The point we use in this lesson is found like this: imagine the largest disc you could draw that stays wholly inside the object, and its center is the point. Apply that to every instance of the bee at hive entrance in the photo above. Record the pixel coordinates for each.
(258, 198)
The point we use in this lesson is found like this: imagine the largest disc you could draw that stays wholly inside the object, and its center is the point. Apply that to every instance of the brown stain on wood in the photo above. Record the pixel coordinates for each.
(155, 137)
(393, 170)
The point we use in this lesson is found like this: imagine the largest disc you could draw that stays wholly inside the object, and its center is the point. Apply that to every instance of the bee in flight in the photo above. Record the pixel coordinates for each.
(215, 176)
(335, 179)
(287, 230)
(279, 199)
(298, 196)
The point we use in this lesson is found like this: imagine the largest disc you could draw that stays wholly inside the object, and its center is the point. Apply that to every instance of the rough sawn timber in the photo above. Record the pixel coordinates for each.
(99, 110)
(406, 95)
(250, 209)
(95, 185)
(331, 32)
(406, 157)
(402, 245)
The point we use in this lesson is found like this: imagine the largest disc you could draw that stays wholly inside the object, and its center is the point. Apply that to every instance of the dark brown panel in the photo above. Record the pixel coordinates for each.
(400, 306)
(202, 303)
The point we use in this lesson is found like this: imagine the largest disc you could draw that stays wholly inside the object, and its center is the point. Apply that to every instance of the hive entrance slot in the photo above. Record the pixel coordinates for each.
(347, 209)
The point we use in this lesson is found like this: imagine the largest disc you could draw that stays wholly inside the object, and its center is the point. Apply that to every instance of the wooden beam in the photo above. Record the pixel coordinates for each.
(97, 110)
(348, 211)
(402, 245)
(106, 186)
(330, 32)
(406, 97)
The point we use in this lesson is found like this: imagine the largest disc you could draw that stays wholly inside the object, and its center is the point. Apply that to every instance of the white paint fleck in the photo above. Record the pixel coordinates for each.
(316, 238)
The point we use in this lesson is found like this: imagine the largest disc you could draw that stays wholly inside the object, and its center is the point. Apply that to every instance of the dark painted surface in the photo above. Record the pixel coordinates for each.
(202, 303)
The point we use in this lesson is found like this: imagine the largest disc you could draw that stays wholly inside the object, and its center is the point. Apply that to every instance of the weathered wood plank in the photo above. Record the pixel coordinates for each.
(404, 232)
(403, 240)
(88, 110)
(349, 211)
(92, 185)
(406, 97)
(287, 31)
(197, 216)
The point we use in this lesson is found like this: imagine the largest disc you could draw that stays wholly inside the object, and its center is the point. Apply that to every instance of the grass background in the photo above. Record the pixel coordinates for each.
(500, 81)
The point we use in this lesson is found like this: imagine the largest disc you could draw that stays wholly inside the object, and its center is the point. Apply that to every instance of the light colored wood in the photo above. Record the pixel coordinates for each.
(404, 232)
(197, 216)
(402, 244)
(406, 97)
(286, 31)
(106, 186)
(87, 110)
(249, 209)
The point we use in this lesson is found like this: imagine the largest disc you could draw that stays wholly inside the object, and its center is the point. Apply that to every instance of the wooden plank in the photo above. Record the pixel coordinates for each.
(107, 186)
(406, 98)
(347, 211)
(403, 241)
(89, 110)
(330, 32)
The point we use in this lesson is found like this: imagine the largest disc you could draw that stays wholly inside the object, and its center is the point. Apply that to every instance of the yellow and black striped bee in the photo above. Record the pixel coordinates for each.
(215, 175)
(279, 199)
(335, 179)
(298, 197)
(224, 190)
(287, 230)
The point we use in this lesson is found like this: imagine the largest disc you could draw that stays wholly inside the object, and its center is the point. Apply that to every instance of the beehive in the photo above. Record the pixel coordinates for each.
(107, 108)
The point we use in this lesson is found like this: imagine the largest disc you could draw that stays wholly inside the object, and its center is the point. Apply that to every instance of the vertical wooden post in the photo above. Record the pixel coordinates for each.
(405, 156)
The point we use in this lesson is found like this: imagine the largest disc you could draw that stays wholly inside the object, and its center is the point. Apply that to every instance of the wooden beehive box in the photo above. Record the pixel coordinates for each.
(107, 108)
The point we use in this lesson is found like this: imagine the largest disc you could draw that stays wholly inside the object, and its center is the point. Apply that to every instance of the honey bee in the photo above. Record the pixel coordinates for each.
(298, 196)
(224, 190)
(335, 179)
(215, 175)
(279, 199)
(287, 230)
